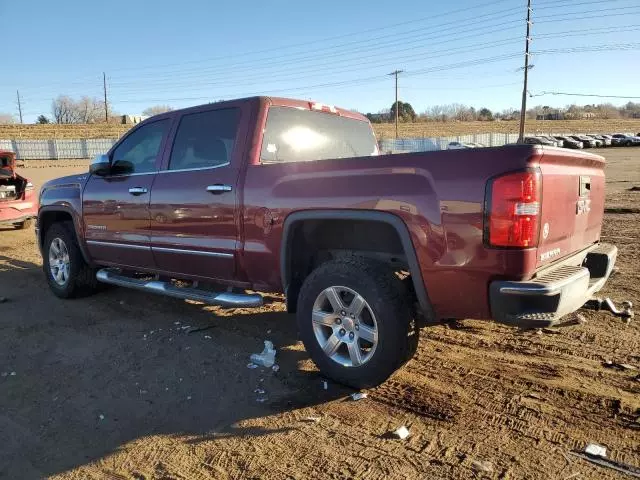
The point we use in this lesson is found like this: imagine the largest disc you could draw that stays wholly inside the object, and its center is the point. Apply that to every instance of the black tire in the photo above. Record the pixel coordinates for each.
(628, 144)
(385, 296)
(28, 223)
(81, 280)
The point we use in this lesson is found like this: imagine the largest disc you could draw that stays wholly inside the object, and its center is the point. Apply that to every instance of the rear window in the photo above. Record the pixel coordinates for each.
(295, 135)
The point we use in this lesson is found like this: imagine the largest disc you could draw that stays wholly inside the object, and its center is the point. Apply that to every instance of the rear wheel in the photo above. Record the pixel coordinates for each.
(68, 275)
(628, 144)
(354, 320)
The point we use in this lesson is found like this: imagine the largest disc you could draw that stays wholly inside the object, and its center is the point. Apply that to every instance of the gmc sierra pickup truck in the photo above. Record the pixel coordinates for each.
(277, 195)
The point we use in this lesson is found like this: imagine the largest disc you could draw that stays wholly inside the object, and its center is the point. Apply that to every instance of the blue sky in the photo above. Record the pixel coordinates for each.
(339, 52)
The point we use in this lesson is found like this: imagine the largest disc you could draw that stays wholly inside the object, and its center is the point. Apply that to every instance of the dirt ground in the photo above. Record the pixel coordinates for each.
(114, 386)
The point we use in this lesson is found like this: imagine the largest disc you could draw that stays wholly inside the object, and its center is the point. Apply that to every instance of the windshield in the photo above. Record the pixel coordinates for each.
(296, 135)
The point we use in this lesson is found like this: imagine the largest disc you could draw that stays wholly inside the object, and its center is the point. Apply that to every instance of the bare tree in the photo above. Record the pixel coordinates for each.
(7, 118)
(156, 110)
(86, 110)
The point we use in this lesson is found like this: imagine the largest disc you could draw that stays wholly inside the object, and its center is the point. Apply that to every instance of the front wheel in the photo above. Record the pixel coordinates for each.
(68, 275)
(354, 320)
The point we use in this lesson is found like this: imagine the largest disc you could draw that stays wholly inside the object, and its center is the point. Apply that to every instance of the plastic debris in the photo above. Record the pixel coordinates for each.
(275, 368)
(259, 391)
(482, 466)
(189, 397)
(252, 365)
(402, 432)
(595, 450)
(267, 358)
(101, 417)
(208, 337)
(358, 396)
(176, 323)
(312, 419)
(325, 385)
(618, 366)
(13, 374)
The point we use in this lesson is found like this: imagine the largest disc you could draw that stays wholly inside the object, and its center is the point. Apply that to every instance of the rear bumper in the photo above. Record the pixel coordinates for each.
(13, 212)
(553, 292)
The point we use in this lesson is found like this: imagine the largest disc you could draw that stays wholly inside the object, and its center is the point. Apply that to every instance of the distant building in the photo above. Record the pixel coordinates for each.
(132, 119)
(551, 116)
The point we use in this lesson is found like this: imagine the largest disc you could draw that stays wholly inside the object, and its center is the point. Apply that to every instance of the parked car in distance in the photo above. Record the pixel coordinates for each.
(604, 142)
(18, 203)
(587, 142)
(553, 140)
(569, 142)
(539, 141)
(463, 145)
(626, 140)
(217, 202)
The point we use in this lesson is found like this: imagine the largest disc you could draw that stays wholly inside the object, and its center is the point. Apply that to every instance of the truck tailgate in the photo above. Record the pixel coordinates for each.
(573, 192)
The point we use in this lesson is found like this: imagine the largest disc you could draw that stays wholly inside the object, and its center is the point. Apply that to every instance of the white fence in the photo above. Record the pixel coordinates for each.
(440, 143)
(89, 148)
(57, 149)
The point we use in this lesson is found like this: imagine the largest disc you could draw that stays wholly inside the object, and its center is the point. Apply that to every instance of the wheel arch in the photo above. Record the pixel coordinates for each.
(49, 215)
(291, 231)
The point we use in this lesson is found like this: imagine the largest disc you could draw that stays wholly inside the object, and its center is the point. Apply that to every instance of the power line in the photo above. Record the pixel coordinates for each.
(313, 55)
(326, 68)
(582, 95)
(327, 39)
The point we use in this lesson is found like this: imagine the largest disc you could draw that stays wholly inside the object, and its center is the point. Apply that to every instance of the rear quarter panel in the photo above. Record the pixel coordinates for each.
(438, 195)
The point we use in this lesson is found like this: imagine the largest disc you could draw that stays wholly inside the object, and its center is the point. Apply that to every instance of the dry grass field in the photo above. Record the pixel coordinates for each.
(114, 386)
(440, 129)
(386, 130)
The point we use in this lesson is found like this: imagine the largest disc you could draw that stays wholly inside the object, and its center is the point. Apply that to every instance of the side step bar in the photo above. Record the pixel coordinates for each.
(223, 299)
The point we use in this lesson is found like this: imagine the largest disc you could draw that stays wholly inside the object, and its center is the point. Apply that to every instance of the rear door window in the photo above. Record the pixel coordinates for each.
(205, 139)
(297, 135)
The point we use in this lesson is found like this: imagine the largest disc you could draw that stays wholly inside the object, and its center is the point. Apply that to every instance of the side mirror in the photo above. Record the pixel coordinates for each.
(100, 166)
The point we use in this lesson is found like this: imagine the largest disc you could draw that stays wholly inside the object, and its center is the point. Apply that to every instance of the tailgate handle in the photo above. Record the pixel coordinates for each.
(585, 185)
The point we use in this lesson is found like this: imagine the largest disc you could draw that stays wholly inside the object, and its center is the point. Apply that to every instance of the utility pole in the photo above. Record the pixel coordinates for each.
(523, 109)
(106, 105)
(19, 105)
(396, 72)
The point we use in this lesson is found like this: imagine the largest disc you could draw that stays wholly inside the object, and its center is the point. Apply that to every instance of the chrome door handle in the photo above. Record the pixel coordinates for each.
(219, 188)
(137, 190)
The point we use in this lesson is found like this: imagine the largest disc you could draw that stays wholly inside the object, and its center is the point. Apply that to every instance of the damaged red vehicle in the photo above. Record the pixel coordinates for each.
(18, 205)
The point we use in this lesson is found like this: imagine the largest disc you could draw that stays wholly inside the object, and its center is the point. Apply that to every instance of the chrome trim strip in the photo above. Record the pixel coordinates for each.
(192, 252)
(120, 245)
(195, 169)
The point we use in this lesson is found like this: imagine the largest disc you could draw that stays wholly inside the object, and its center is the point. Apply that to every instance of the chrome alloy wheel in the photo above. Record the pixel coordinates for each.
(345, 326)
(59, 263)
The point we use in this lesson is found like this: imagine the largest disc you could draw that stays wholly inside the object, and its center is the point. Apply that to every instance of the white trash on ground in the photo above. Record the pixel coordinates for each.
(358, 396)
(268, 356)
(402, 432)
(596, 450)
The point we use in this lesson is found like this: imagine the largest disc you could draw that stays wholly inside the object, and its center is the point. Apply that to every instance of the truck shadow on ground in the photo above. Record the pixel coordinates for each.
(93, 374)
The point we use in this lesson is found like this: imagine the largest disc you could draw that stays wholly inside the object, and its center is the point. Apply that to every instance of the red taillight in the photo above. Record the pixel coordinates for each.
(514, 210)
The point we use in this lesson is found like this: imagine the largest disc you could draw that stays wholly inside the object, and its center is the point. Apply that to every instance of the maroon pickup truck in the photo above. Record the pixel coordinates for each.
(276, 195)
